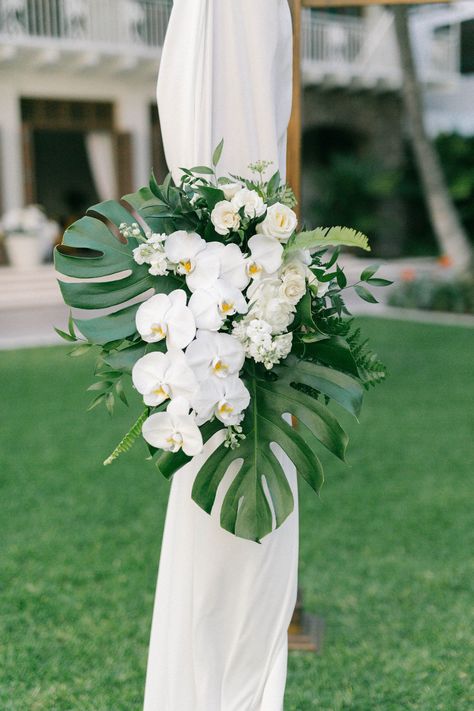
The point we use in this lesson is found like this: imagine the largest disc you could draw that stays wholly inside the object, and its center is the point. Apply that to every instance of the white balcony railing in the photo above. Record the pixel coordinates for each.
(139, 24)
(341, 50)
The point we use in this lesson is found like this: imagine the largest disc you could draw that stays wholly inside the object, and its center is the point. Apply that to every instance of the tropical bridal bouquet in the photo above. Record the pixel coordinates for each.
(227, 319)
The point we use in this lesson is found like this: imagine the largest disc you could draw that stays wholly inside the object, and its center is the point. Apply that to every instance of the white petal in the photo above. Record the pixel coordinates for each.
(206, 399)
(229, 295)
(192, 438)
(148, 371)
(150, 313)
(200, 354)
(266, 252)
(182, 245)
(237, 394)
(178, 407)
(157, 429)
(203, 305)
(181, 326)
(206, 270)
(234, 267)
(181, 379)
(178, 297)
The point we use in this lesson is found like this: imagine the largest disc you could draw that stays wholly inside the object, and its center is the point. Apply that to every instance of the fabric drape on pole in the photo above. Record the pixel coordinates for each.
(223, 604)
(100, 149)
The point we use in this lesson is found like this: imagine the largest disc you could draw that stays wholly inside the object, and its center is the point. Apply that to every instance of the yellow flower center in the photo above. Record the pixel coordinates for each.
(227, 306)
(281, 220)
(225, 409)
(219, 367)
(161, 392)
(159, 329)
(254, 269)
(175, 442)
(186, 266)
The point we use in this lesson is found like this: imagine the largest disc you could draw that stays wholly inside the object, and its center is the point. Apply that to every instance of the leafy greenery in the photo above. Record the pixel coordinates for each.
(385, 552)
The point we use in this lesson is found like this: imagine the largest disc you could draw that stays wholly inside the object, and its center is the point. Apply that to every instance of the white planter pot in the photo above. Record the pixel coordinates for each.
(23, 250)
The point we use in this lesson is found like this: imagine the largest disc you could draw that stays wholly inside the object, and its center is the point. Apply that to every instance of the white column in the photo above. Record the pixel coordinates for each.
(133, 115)
(11, 160)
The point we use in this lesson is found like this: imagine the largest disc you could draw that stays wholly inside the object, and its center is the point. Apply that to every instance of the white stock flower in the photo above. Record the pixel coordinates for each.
(166, 316)
(181, 249)
(213, 304)
(268, 304)
(225, 217)
(230, 189)
(280, 222)
(143, 254)
(266, 255)
(157, 239)
(159, 376)
(256, 337)
(251, 201)
(293, 281)
(159, 265)
(174, 429)
(215, 354)
(225, 399)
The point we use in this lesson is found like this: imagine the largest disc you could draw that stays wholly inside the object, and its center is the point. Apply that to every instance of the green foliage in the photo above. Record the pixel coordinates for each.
(127, 442)
(323, 237)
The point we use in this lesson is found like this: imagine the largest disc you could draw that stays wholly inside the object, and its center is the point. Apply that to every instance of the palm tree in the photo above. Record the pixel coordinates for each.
(450, 234)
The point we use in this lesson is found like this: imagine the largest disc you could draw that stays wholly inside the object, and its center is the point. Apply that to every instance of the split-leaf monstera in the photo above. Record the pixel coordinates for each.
(97, 255)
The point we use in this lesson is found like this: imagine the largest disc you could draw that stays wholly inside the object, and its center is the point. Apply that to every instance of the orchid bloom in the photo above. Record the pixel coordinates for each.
(166, 316)
(224, 398)
(215, 354)
(174, 429)
(181, 248)
(266, 255)
(213, 304)
(159, 376)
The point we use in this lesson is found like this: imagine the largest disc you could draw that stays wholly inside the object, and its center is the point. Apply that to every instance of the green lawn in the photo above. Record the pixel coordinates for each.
(386, 553)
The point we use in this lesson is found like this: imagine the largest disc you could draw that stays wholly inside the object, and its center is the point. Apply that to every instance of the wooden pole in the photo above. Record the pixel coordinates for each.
(293, 167)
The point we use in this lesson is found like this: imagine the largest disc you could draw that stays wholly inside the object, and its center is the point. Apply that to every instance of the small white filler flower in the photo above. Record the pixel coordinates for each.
(166, 316)
(162, 376)
(174, 429)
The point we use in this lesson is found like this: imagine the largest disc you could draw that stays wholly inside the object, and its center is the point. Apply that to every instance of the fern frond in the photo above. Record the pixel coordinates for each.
(129, 440)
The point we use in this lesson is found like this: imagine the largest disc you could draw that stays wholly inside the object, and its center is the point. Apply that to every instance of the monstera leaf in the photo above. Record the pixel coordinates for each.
(92, 248)
(246, 510)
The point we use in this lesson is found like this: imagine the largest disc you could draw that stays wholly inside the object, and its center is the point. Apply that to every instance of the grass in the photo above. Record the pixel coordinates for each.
(386, 554)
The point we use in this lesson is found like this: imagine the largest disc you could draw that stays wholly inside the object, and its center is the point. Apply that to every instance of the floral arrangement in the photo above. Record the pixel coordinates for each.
(244, 326)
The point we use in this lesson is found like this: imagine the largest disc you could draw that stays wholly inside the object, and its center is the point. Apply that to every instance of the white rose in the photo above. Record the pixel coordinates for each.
(251, 201)
(230, 189)
(293, 282)
(225, 217)
(280, 222)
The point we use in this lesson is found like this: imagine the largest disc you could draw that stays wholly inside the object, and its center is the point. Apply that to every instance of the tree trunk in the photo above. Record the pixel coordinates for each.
(450, 234)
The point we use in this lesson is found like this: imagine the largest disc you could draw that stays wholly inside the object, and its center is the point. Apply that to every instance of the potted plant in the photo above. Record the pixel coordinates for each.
(25, 232)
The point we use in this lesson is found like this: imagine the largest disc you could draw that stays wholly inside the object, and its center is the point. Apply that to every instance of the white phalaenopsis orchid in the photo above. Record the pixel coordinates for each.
(280, 222)
(251, 201)
(266, 254)
(215, 355)
(162, 376)
(181, 249)
(174, 429)
(225, 399)
(166, 316)
(213, 304)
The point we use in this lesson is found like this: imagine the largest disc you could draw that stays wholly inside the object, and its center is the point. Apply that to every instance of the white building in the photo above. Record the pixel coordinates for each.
(77, 87)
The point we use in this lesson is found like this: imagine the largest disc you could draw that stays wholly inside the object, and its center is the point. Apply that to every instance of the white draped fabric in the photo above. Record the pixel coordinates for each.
(101, 155)
(223, 604)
